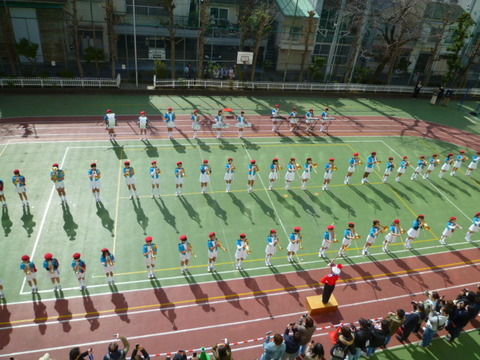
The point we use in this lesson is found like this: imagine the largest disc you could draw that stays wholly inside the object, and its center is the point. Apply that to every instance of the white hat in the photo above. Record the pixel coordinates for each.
(46, 357)
(336, 270)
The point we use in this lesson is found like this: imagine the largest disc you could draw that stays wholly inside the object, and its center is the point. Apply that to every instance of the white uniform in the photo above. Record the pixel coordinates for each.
(293, 247)
(142, 122)
(229, 172)
(149, 258)
(95, 179)
(110, 119)
(241, 252)
(273, 174)
(307, 171)
(154, 175)
(290, 175)
(271, 247)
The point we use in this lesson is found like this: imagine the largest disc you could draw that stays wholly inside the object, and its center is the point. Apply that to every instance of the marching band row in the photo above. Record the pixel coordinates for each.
(392, 233)
(451, 163)
(294, 119)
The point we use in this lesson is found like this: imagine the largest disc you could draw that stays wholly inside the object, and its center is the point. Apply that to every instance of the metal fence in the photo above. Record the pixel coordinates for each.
(333, 87)
(60, 82)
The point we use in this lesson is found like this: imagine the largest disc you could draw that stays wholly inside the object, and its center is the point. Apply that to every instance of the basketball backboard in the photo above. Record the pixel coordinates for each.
(244, 58)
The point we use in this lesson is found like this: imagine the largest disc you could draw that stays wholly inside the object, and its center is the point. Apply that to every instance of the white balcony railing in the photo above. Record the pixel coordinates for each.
(60, 82)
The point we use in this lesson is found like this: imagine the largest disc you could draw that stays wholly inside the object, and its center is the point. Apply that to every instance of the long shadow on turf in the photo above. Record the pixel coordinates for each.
(197, 291)
(366, 198)
(412, 191)
(241, 206)
(91, 313)
(324, 208)
(27, 219)
(453, 185)
(230, 295)
(285, 204)
(288, 286)
(69, 224)
(191, 211)
(432, 191)
(167, 215)
(469, 184)
(307, 207)
(121, 306)
(107, 222)
(217, 209)
(385, 198)
(249, 145)
(260, 296)
(266, 209)
(142, 219)
(226, 145)
(180, 148)
(150, 150)
(167, 308)
(118, 150)
(343, 205)
(203, 146)
(6, 222)
(64, 314)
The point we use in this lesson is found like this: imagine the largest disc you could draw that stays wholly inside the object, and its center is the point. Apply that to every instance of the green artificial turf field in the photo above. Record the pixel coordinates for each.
(121, 224)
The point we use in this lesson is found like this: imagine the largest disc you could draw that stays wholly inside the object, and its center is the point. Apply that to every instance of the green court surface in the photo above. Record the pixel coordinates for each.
(121, 224)
(464, 348)
(74, 105)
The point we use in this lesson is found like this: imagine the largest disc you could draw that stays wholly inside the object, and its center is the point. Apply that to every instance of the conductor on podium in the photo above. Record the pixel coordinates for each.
(330, 280)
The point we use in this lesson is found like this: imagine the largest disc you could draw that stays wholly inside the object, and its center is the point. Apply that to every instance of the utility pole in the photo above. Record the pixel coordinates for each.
(135, 44)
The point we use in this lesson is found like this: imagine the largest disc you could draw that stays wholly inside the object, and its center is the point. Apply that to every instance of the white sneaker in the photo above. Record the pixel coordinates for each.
(158, 196)
(468, 239)
(59, 287)
(182, 271)
(209, 269)
(131, 197)
(443, 242)
(152, 197)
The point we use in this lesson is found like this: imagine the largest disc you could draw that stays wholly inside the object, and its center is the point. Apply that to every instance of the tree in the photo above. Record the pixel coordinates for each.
(260, 24)
(94, 54)
(399, 23)
(310, 29)
(29, 50)
(463, 72)
(73, 13)
(359, 12)
(204, 24)
(461, 33)
(8, 36)
(112, 19)
(438, 33)
(169, 6)
(245, 11)
(316, 67)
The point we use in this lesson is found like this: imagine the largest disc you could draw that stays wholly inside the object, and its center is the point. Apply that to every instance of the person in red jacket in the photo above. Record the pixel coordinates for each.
(330, 280)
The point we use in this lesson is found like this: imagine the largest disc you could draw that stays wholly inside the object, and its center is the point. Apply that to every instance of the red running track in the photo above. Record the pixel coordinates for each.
(196, 315)
(92, 128)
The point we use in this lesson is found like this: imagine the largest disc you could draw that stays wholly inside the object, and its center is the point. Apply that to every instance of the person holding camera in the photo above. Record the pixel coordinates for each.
(379, 337)
(412, 321)
(292, 342)
(436, 321)
(458, 320)
(114, 353)
(395, 321)
(222, 351)
(363, 335)
(273, 350)
(135, 353)
(306, 327)
(76, 354)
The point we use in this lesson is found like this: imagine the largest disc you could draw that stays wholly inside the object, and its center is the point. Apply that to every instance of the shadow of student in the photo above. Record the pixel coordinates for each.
(69, 224)
(217, 209)
(121, 306)
(41, 316)
(324, 208)
(241, 206)
(150, 150)
(64, 314)
(266, 209)
(230, 295)
(166, 307)
(6, 222)
(167, 215)
(194, 215)
(91, 314)
(107, 222)
(118, 150)
(142, 219)
(180, 148)
(5, 316)
(285, 204)
(260, 296)
(203, 145)
(288, 286)
(197, 291)
(27, 219)
(304, 205)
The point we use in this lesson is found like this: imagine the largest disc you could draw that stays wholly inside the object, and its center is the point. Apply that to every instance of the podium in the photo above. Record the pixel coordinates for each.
(315, 305)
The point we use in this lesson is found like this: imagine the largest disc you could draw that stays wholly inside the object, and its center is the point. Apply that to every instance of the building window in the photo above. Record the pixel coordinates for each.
(220, 16)
(295, 33)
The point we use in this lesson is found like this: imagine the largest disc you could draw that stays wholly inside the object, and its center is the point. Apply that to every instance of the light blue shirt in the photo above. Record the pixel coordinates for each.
(154, 173)
(307, 168)
(390, 165)
(60, 175)
(128, 171)
(169, 117)
(183, 246)
(179, 172)
(82, 266)
(229, 168)
(92, 176)
(271, 240)
(272, 351)
(146, 249)
(292, 167)
(252, 169)
(103, 259)
(203, 169)
(371, 161)
(373, 230)
(275, 112)
(241, 119)
(211, 244)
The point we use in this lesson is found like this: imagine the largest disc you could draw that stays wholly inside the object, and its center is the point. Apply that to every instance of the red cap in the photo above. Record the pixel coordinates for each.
(390, 158)
(149, 239)
(330, 227)
(183, 237)
(77, 256)
(93, 164)
(434, 155)
(179, 163)
(356, 154)
(142, 112)
(211, 234)
(405, 157)
(294, 109)
(297, 228)
(25, 258)
(56, 165)
(170, 109)
(421, 216)
(327, 109)
(453, 218)
(478, 152)
(396, 221)
(331, 159)
(105, 249)
(351, 224)
(376, 221)
(273, 231)
(126, 163)
(422, 157)
(340, 266)
(242, 112)
(205, 161)
(310, 110)
(195, 111)
(154, 161)
(451, 154)
(374, 153)
(277, 105)
(291, 159)
(462, 151)
(477, 214)
(16, 171)
(109, 111)
(48, 256)
(253, 161)
(243, 235)
(230, 159)
(275, 159)
(308, 159)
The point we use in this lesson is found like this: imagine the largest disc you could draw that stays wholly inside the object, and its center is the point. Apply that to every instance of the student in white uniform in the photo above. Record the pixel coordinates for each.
(142, 123)
(230, 168)
(155, 179)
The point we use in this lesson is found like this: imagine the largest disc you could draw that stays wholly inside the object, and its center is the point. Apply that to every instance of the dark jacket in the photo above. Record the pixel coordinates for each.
(378, 338)
(362, 336)
(411, 320)
(291, 346)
